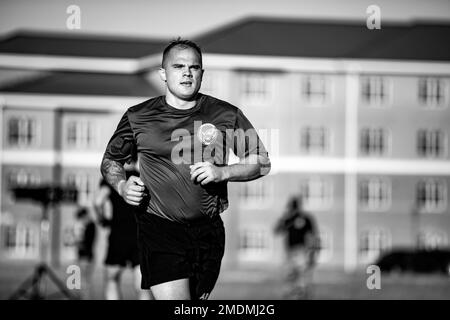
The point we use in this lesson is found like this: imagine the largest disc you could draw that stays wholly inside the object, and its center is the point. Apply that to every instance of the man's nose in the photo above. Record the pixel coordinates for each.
(187, 72)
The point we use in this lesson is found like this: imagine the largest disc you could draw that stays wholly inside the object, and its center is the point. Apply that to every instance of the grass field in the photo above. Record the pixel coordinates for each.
(339, 285)
(264, 285)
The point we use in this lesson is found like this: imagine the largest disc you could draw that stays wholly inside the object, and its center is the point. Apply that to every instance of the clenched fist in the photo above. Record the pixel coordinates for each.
(206, 172)
(132, 190)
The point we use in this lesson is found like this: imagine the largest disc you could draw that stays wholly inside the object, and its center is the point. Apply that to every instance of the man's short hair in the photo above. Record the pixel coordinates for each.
(183, 44)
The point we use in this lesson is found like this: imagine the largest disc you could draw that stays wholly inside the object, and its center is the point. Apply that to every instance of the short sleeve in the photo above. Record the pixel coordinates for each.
(122, 146)
(245, 138)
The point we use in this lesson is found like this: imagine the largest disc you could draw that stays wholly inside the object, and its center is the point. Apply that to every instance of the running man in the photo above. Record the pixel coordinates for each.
(302, 244)
(183, 140)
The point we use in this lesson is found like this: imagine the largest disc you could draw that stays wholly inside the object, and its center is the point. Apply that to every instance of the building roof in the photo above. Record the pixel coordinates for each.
(79, 45)
(81, 83)
(420, 42)
(250, 36)
(325, 39)
(263, 36)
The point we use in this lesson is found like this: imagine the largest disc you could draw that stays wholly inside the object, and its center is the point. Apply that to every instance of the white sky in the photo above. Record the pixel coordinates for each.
(170, 18)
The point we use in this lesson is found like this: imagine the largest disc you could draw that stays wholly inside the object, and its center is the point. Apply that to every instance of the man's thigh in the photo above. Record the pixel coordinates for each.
(172, 290)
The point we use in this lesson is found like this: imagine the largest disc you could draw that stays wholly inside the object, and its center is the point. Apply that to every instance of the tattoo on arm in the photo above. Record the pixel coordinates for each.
(113, 172)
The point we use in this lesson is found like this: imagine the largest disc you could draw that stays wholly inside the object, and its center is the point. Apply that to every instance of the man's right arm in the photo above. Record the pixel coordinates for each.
(131, 190)
(114, 173)
(120, 149)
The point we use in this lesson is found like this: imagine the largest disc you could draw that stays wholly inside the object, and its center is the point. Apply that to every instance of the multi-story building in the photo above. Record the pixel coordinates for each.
(356, 121)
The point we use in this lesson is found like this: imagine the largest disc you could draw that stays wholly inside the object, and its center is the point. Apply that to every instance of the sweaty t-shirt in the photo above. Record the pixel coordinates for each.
(169, 140)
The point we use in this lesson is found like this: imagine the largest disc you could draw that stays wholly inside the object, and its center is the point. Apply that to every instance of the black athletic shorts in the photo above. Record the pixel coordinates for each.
(171, 251)
(122, 251)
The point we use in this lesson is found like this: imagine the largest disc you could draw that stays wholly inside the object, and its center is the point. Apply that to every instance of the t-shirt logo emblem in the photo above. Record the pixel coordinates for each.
(207, 133)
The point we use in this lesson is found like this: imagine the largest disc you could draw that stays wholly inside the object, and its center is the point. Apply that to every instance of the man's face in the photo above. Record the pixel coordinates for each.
(182, 72)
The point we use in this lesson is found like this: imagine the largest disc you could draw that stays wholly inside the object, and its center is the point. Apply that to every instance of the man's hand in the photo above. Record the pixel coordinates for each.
(206, 172)
(132, 190)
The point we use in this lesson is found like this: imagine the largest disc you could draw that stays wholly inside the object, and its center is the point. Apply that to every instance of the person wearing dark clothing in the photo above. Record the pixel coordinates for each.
(302, 245)
(86, 233)
(85, 243)
(120, 218)
(122, 239)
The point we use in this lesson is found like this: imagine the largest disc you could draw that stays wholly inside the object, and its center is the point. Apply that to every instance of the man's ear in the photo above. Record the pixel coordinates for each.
(162, 74)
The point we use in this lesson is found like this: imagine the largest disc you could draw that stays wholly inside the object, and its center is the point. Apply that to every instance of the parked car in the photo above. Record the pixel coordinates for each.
(415, 260)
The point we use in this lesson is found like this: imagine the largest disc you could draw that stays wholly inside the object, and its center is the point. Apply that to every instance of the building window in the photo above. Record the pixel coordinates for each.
(22, 132)
(431, 143)
(85, 185)
(375, 194)
(80, 134)
(326, 246)
(374, 91)
(315, 89)
(432, 239)
(255, 87)
(23, 178)
(20, 241)
(315, 140)
(373, 141)
(372, 243)
(432, 196)
(253, 243)
(256, 193)
(316, 193)
(432, 92)
(68, 236)
(10, 237)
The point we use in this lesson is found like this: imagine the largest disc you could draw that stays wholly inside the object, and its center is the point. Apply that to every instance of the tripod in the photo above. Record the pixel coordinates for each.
(31, 288)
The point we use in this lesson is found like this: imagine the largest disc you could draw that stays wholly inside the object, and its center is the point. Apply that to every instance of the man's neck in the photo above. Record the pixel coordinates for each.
(180, 103)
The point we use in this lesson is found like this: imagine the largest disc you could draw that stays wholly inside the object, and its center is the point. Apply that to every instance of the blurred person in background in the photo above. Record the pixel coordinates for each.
(302, 246)
(85, 235)
(114, 213)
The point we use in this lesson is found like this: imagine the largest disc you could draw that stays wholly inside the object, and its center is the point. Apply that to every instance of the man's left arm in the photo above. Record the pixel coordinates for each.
(250, 168)
(254, 160)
